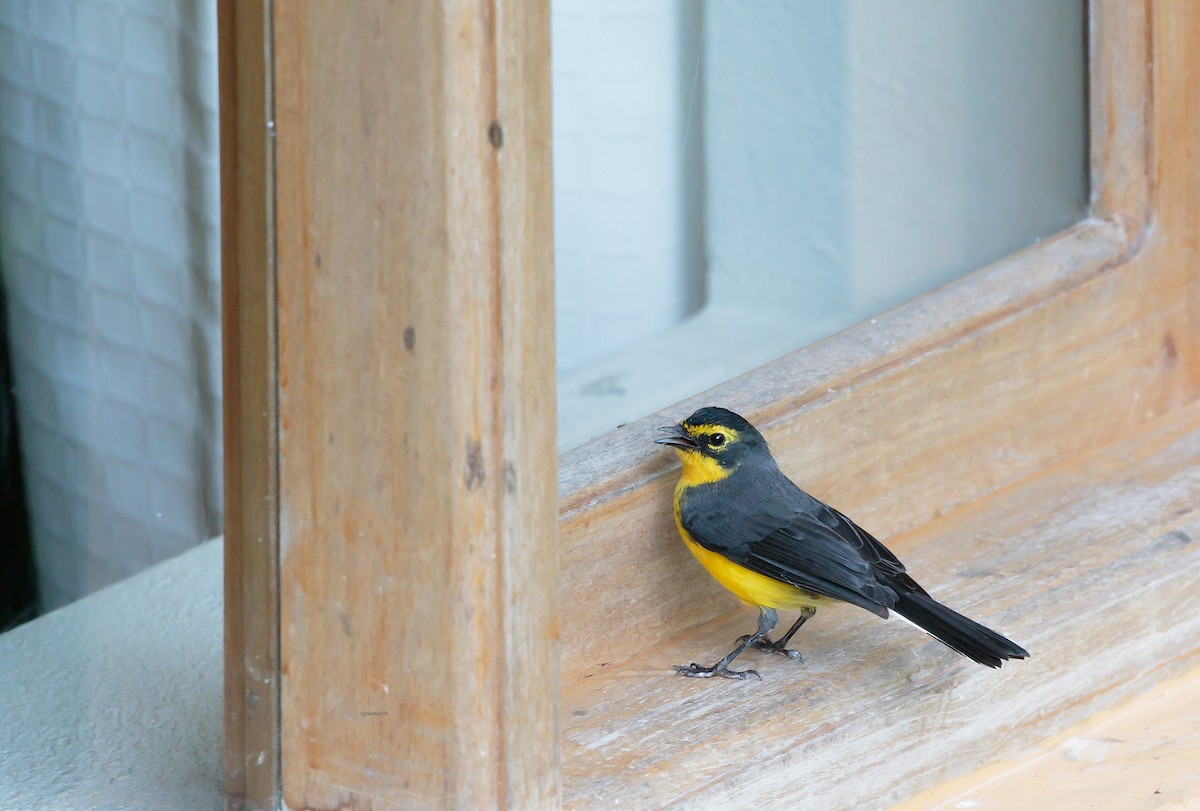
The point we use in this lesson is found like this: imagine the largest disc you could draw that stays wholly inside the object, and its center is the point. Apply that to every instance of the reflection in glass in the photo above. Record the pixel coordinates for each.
(840, 157)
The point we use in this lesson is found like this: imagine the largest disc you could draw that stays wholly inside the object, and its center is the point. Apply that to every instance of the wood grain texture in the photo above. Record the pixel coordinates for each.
(877, 710)
(248, 369)
(1138, 756)
(1120, 109)
(1051, 352)
(879, 443)
(415, 405)
(521, 134)
(950, 403)
(419, 545)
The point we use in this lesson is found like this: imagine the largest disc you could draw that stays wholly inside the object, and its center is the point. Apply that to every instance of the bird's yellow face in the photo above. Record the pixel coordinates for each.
(708, 452)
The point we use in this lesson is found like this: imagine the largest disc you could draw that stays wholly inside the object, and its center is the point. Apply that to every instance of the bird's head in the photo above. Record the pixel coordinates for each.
(712, 443)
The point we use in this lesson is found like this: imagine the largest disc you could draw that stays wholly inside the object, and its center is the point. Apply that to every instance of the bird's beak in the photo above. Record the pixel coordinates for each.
(677, 437)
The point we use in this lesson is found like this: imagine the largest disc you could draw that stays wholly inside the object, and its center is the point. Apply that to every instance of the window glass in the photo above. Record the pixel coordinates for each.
(737, 179)
(109, 261)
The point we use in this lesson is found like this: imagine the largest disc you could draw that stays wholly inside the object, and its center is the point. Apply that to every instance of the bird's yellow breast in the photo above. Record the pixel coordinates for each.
(751, 588)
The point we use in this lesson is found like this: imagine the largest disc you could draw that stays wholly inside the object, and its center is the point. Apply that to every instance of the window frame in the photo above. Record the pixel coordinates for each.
(815, 402)
(958, 360)
(451, 501)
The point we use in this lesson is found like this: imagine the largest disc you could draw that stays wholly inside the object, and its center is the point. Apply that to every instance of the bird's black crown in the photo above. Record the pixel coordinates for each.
(715, 415)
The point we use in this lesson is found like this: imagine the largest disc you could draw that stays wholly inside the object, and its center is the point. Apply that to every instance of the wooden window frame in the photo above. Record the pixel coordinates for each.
(391, 558)
(937, 424)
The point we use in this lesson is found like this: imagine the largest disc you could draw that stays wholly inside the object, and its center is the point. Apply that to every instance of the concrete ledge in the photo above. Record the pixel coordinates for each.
(115, 701)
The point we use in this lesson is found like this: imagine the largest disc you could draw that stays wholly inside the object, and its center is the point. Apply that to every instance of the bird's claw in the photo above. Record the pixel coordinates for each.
(696, 671)
(767, 645)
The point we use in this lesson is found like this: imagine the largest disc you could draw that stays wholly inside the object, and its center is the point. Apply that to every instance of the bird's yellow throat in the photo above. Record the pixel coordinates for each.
(751, 588)
(699, 469)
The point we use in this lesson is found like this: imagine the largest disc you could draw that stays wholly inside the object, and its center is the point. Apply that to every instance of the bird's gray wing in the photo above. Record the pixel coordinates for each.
(773, 528)
(879, 556)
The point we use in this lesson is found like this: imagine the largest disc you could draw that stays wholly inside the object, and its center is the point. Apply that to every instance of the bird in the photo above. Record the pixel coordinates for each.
(774, 547)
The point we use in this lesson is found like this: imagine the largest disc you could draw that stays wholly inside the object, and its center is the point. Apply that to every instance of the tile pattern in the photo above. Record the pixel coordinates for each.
(109, 246)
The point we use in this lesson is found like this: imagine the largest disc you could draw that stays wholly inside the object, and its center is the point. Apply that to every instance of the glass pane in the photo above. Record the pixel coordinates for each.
(109, 258)
(737, 179)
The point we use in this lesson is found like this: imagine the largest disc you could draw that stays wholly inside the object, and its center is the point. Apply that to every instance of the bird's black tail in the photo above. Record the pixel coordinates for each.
(956, 631)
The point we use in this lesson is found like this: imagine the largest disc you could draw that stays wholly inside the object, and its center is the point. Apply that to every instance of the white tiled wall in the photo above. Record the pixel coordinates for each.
(109, 249)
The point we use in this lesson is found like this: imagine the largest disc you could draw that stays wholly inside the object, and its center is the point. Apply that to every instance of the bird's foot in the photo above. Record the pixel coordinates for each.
(767, 645)
(696, 671)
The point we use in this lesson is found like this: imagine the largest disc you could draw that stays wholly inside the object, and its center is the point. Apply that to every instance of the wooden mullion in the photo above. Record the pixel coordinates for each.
(1120, 108)
(521, 139)
(392, 544)
(250, 410)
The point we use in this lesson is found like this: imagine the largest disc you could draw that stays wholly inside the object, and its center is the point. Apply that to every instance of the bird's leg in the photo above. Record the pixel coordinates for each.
(780, 646)
(767, 620)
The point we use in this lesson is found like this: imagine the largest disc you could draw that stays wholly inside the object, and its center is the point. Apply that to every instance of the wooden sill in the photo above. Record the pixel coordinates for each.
(1142, 754)
(877, 712)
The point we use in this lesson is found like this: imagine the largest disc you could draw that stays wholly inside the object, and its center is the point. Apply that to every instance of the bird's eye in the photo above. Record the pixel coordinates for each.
(716, 440)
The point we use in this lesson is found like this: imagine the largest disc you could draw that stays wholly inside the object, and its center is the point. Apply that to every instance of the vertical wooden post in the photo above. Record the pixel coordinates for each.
(418, 571)
(251, 413)
(1120, 110)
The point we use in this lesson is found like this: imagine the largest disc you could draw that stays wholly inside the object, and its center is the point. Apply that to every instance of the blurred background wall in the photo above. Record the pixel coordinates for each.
(109, 252)
(795, 167)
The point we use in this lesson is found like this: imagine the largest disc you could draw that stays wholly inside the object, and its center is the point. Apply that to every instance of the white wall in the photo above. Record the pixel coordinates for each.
(627, 197)
(109, 249)
(855, 154)
(864, 151)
